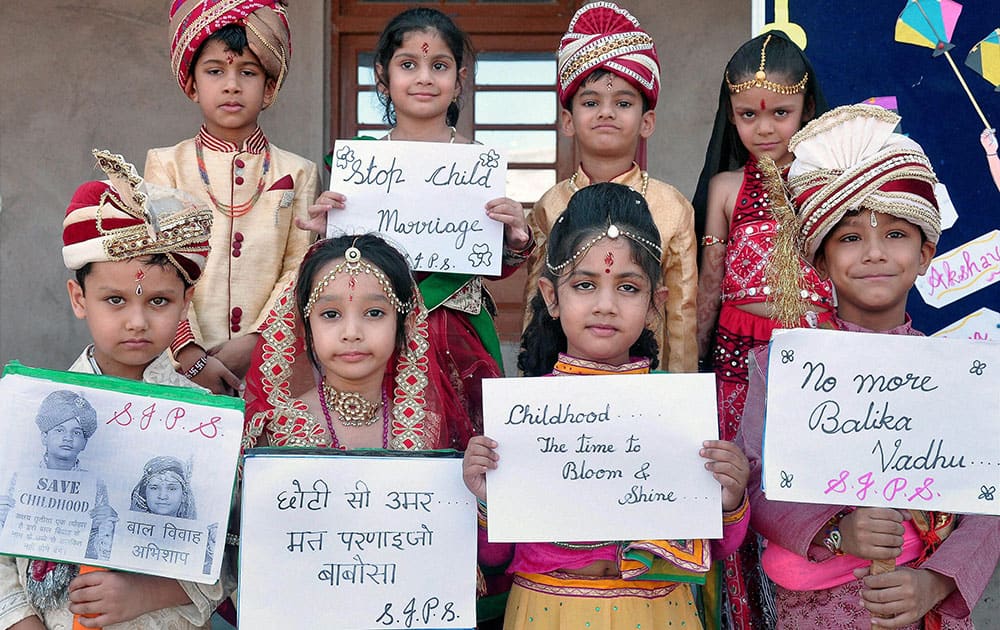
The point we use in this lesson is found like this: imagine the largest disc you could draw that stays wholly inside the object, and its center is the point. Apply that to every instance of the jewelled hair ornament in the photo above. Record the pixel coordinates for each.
(127, 218)
(612, 232)
(759, 79)
(850, 159)
(354, 266)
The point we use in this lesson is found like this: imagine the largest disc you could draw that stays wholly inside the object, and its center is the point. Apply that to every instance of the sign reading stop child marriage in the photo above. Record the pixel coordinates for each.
(429, 198)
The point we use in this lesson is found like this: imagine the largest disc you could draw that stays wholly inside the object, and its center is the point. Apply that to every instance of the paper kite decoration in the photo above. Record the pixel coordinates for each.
(930, 23)
(984, 58)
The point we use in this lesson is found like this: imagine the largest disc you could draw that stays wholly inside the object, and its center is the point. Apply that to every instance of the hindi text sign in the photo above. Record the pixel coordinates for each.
(127, 475)
(430, 198)
(602, 458)
(883, 420)
(378, 541)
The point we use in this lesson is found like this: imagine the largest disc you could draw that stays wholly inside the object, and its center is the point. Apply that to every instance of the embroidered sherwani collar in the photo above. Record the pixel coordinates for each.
(256, 143)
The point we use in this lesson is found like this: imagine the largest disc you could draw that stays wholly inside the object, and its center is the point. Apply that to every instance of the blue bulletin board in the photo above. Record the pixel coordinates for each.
(853, 48)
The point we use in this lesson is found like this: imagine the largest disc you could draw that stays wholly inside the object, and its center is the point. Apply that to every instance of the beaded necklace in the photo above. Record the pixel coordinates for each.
(334, 442)
(238, 210)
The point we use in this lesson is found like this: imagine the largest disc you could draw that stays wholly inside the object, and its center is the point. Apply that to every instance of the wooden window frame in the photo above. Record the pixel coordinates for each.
(492, 26)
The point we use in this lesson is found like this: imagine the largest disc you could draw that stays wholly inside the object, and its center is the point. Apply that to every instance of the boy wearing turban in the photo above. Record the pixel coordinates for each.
(136, 251)
(230, 57)
(868, 220)
(609, 82)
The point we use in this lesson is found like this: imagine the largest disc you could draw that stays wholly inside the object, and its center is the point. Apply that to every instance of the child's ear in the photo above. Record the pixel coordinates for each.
(188, 296)
(808, 110)
(76, 299)
(819, 264)
(927, 251)
(659, 298)
(648, 124)
(548, 291)
(190, 88)
(566, 123)
(460, 80)
(270, 91)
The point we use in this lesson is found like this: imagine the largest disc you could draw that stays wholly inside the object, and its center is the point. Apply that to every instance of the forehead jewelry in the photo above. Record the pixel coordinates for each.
(759, 79)
(139, 275)
(425, 47)
(873, 219)
(354, 266)
(612, 232)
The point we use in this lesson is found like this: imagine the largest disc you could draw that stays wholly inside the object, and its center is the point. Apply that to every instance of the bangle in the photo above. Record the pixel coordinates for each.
(198, 366)
(832, 539)
(709, 240)
(481, 512)
(737, 515)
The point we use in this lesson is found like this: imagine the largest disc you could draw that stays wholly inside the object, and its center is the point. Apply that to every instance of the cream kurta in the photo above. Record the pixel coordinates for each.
(674, 218)
(14, 605)
(254, 256)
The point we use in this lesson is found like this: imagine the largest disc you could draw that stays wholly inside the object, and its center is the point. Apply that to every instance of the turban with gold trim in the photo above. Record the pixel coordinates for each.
(848, 159)
(127, 218)
(604, 36)
(265, 21)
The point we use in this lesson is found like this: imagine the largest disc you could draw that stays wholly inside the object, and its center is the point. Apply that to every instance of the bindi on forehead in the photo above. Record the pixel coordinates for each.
(609, 261)
(425, 48)
(763, 104)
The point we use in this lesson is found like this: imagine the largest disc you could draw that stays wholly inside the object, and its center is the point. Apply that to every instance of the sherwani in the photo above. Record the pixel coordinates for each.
(968, 556)
(14, 604)
(674, 218)
(255, 255)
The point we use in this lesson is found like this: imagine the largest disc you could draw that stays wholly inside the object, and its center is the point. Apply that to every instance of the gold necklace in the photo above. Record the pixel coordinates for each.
(354, 409)
(388, 136)
(642, 191)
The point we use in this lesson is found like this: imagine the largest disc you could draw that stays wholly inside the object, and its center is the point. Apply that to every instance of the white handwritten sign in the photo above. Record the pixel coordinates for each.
(127, 475)
(981, 325)
(602, 458)
(358, 541)
(429, 198)
(883, 420)
(962, 271)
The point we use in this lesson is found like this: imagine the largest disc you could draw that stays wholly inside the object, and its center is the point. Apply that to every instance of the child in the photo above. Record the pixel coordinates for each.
(133, 284)
(164, 489)
(769, 90)
(363, 378)
(865, 199)
(597, 296)
(609, 81)
(231, 59)
(421, 60)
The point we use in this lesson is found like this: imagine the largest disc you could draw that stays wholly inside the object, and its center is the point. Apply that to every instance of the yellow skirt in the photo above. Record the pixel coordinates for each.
(563, 602)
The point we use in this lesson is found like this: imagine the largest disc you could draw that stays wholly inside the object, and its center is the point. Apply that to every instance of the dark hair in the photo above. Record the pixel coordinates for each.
(152, 260)
(589, 213)
(786, 62)
(601, 73)
(420, 19)
(375, 251)
(234, 36)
